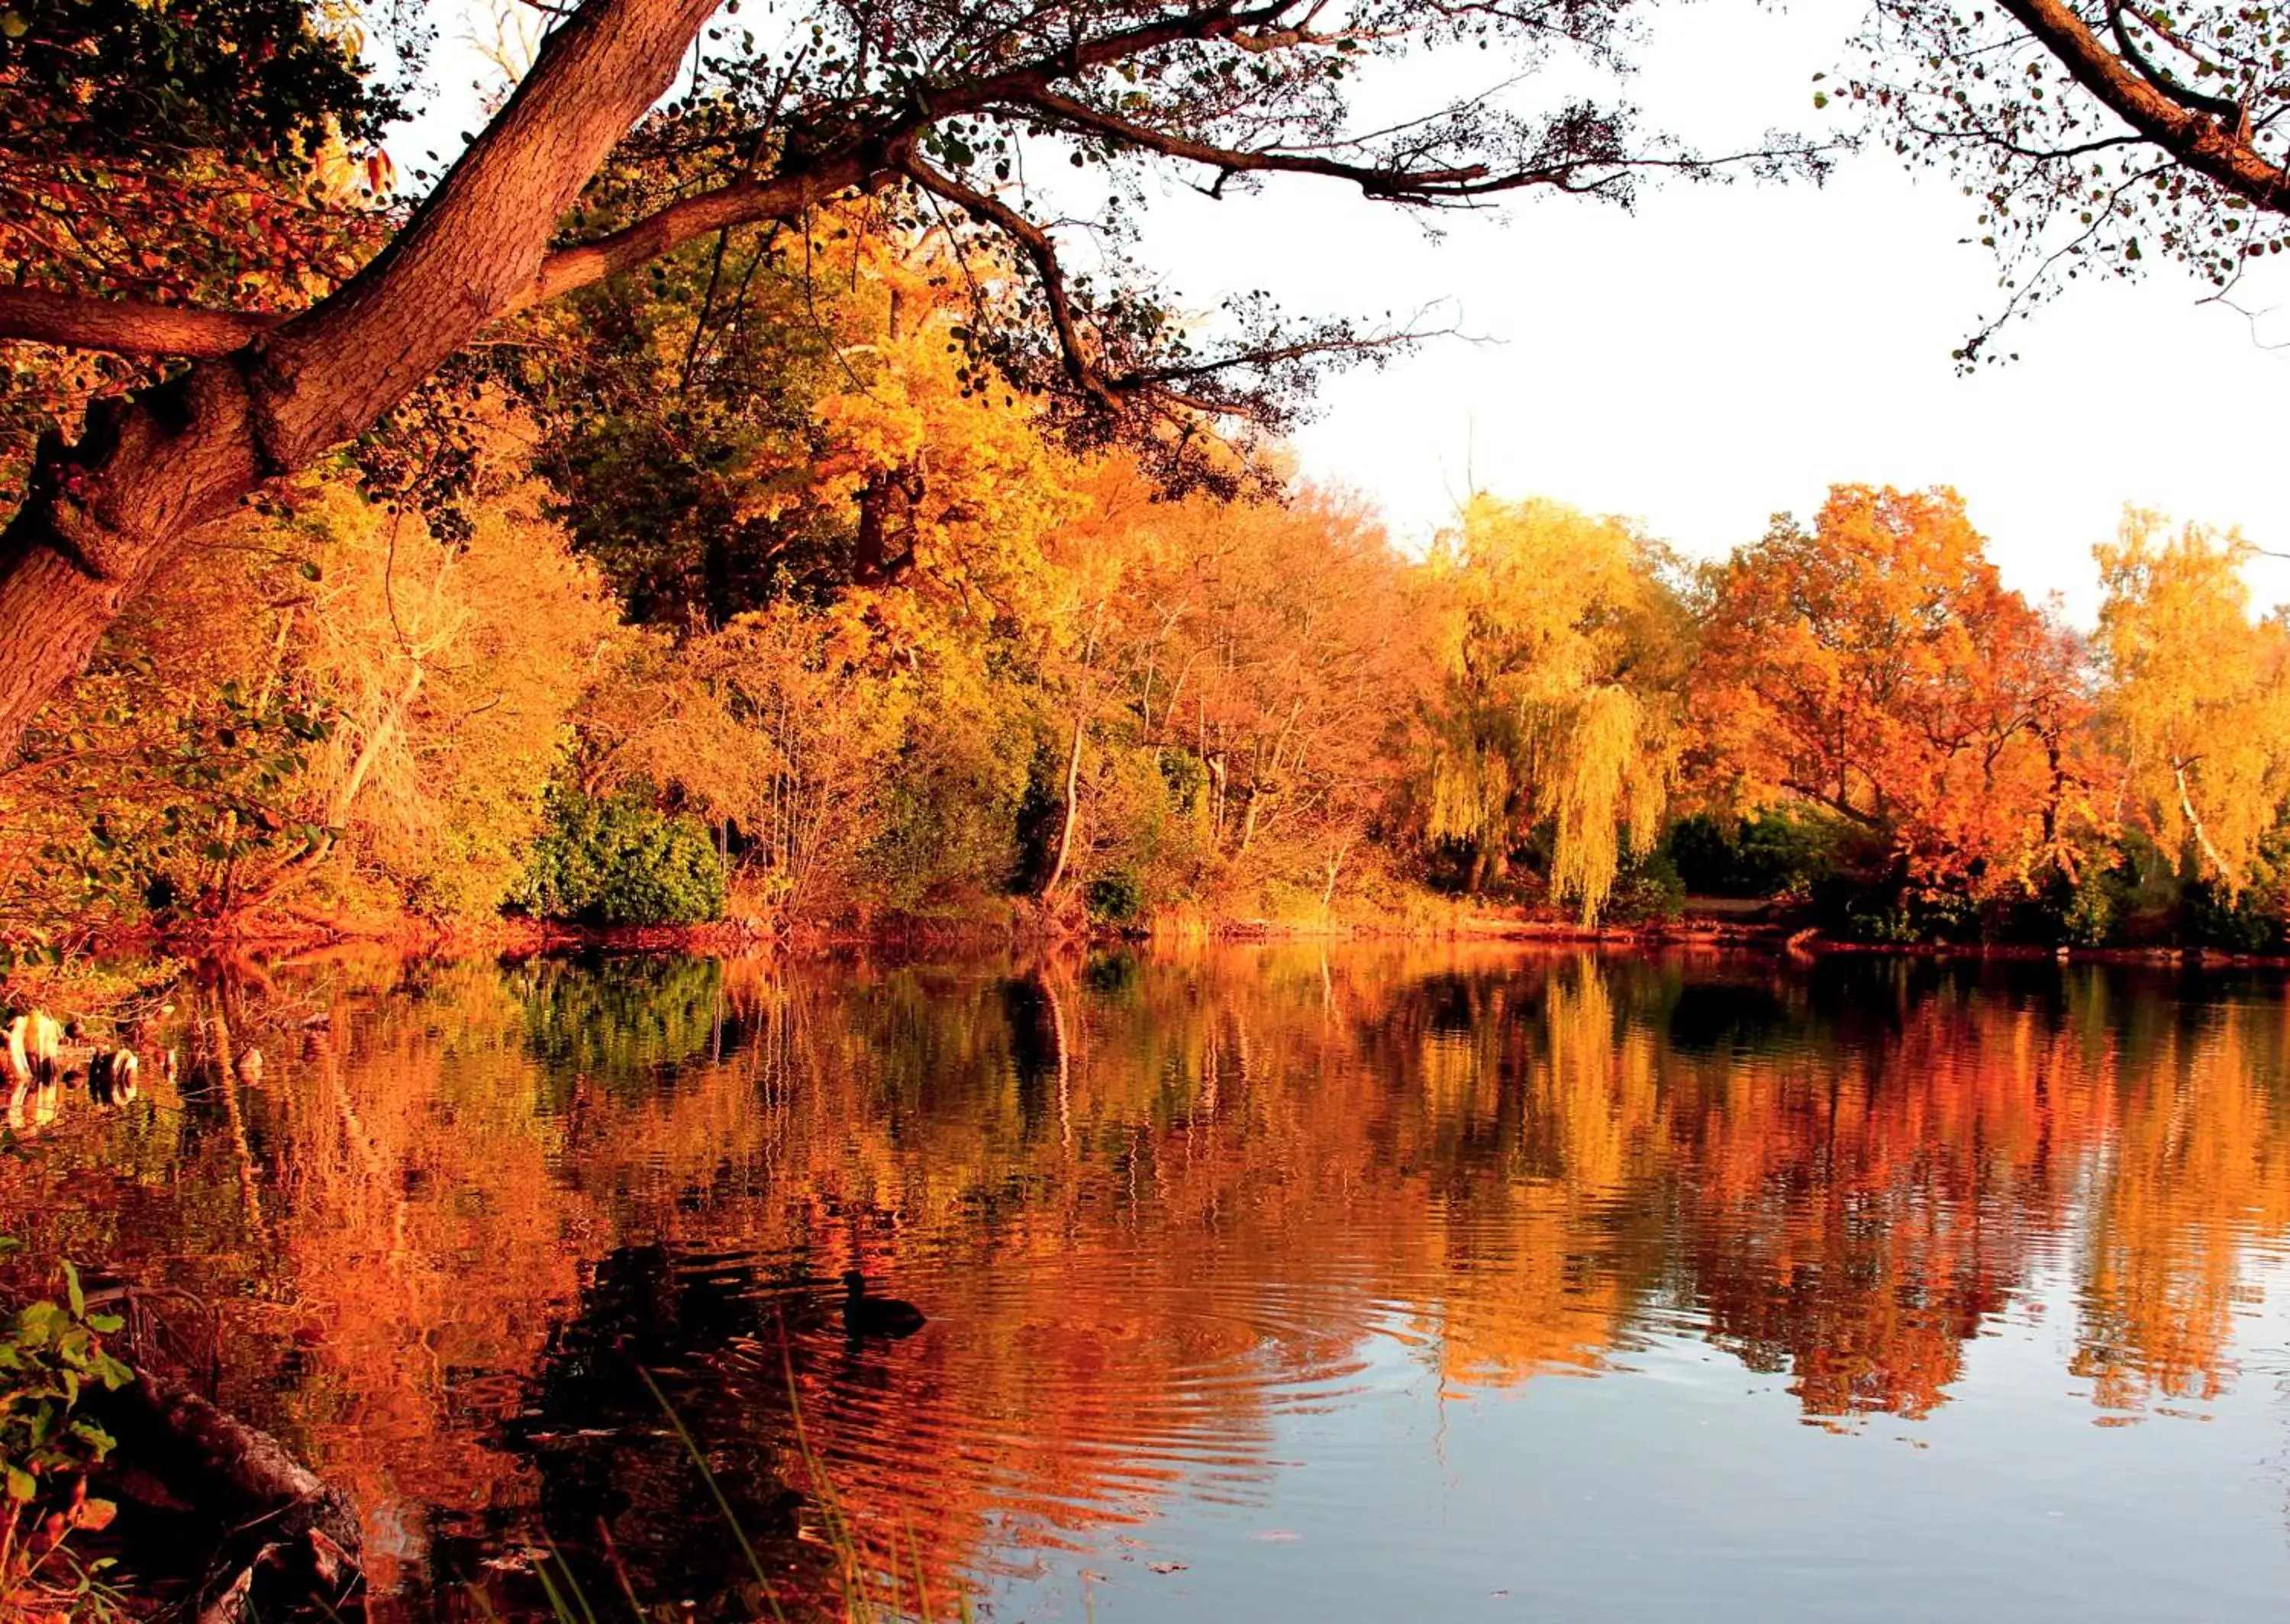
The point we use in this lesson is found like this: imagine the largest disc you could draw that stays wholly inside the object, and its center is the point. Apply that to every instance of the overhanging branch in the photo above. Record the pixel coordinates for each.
(1080, 365)
(126, 326)
(2219, 151)
(1426, 186)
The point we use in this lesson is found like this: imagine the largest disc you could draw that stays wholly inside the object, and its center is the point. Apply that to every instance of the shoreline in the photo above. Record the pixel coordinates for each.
(517, 939)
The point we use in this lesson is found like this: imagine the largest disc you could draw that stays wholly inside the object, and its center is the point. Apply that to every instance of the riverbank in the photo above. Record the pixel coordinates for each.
(108, 978)
(1711, 921)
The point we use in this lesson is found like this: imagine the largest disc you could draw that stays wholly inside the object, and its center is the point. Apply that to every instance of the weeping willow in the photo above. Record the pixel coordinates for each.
(1596, 771)
(1606, 794)
(1472, 793)
(1551, 718)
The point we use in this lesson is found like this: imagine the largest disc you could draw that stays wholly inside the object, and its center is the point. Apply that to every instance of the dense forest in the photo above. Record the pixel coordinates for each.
(798, 617)
(806, 542)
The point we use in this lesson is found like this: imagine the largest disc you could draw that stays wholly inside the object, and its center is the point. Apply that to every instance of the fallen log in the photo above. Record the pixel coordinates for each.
(282, 1534)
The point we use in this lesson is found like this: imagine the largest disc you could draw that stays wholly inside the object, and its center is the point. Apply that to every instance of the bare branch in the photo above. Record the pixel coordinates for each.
(1080, 365)
(1414, 186)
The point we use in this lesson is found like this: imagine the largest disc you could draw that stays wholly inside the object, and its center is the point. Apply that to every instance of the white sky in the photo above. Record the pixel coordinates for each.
(1729, 351)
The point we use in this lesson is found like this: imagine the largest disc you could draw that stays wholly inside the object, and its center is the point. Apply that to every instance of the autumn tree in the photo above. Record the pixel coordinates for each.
(1564, 650)
(1293, 672)
(838, 548)
(2198, 699)
(1238, 675)
(323, 710)
(934, 106)
(1876, 667)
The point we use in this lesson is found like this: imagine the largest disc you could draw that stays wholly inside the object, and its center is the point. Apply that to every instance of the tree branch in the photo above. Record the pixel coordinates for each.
(126, 326)
(1422, 186)
(2199, 141)
(1080, 365)
(2217, 106)
(1834, 803)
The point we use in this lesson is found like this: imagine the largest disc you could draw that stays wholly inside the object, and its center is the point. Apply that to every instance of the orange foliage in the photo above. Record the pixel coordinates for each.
(1876, 667)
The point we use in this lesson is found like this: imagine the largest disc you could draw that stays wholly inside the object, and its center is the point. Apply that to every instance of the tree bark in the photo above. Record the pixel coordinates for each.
(1072, 806)
(2190, 134)
(1334, 866)
(212, 1458)
(126, 326)
(2195, 824)
(1087, 703)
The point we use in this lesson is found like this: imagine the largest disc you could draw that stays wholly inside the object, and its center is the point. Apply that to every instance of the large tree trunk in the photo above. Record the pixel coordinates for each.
(103, 515)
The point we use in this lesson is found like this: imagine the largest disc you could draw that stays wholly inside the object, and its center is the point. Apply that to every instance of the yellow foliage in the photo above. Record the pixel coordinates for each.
(450, 670)
(788, 721)
(1564, 647)
(2199, 699)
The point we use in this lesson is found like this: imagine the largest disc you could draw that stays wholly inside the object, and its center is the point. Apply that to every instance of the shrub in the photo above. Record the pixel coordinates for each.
(2094, 907)
(1116, 898)
(2243, 920)
(618, 860)
(50, 1355)
(1647, 889)
(1776, 852)
(1893, 916)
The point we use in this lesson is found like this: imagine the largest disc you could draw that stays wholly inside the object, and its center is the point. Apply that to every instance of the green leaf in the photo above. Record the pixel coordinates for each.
(39, 1324)
(21, 1486)
(72, 1290)
(12, 25)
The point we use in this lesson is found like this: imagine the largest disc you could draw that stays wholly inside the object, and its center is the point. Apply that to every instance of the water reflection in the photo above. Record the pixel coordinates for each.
(1157, 1208)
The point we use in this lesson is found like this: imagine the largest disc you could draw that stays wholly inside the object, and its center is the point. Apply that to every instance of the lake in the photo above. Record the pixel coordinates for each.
(1270, 1284)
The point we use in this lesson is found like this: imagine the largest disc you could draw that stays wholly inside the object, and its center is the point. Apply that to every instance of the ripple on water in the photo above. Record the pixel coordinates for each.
(1052, 1392)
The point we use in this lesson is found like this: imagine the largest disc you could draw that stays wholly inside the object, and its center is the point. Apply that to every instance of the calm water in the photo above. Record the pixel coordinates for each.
(1272, 1285)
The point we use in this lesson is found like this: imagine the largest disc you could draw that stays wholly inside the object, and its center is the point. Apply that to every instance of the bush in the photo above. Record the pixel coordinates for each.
(2243, 920)
(1778, 851)
(50, 1355)
(1116, 898)
(1647, 889)
(1892, 916)
(2095, 906)
(618, 860)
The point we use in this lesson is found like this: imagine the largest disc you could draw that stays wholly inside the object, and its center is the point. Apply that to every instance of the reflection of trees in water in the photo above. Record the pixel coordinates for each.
(1147, 1200)
(1728, 1017)
(621, 1021)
